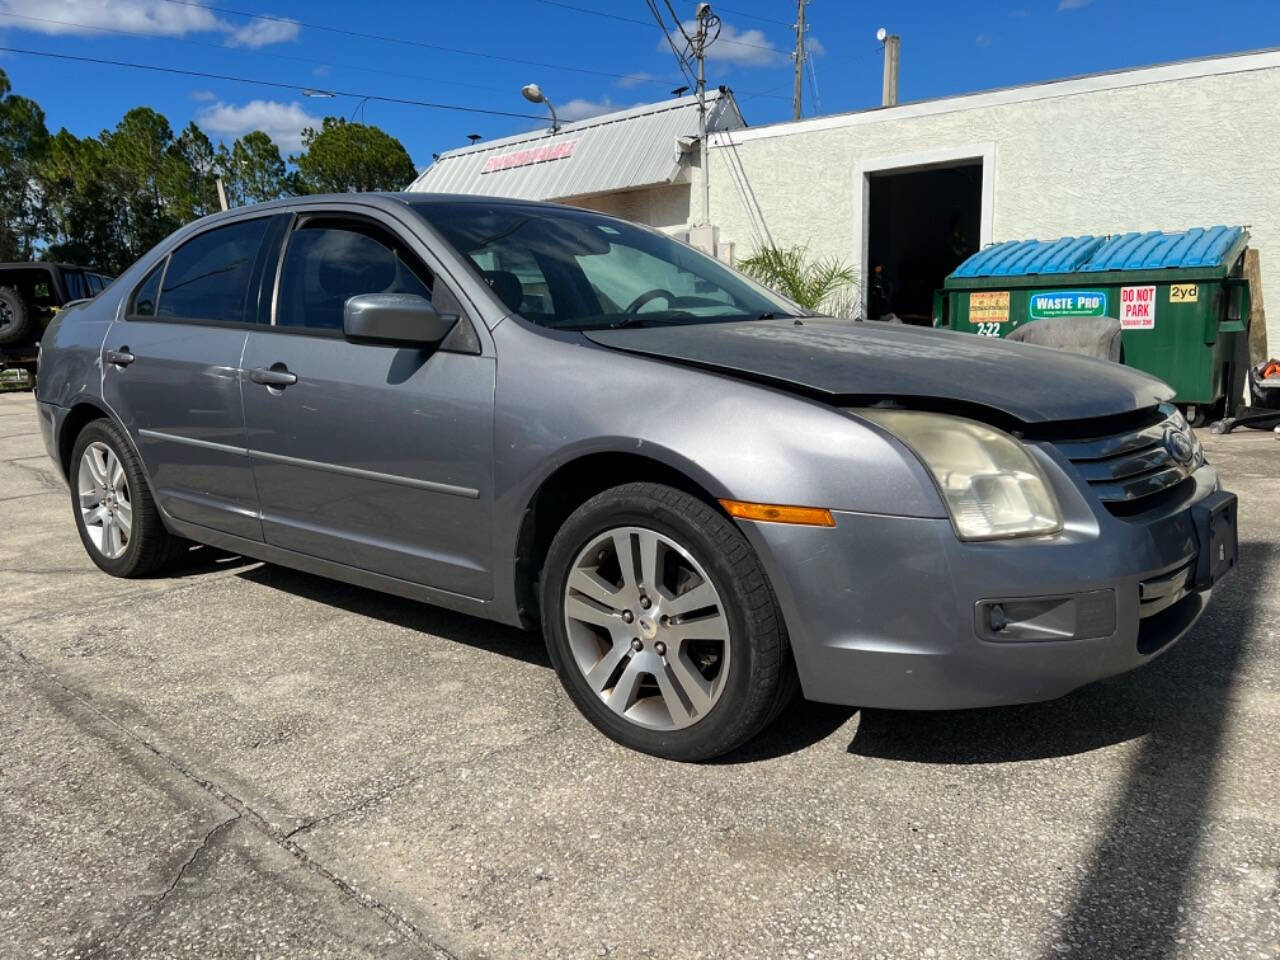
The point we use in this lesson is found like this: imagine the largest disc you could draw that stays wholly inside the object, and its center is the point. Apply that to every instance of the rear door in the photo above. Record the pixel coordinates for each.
(377, 457)
(171, 372)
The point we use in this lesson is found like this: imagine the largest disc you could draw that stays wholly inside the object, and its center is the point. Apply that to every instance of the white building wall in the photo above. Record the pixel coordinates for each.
(1163, 151)
(665, 206)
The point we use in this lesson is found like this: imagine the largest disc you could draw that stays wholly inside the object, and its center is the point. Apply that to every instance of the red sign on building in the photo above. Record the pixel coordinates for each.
(524, 158)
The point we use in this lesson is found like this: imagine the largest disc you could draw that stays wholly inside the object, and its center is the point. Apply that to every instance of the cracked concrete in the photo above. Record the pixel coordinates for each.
(244, 761)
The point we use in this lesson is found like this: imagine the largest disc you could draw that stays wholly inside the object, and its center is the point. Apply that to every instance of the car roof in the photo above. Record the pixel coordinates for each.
(290, 203)
(45, 265)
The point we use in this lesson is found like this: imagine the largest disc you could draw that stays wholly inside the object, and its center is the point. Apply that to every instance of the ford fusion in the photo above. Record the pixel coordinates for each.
(706, 498)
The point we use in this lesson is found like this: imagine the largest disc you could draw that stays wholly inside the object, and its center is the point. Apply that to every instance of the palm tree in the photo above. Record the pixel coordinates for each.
(827, 286)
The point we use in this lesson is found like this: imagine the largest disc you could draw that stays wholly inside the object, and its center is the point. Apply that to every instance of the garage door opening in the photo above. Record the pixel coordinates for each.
(923, 223)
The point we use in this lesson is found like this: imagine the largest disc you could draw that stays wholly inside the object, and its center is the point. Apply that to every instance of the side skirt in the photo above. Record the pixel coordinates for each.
(328, 568)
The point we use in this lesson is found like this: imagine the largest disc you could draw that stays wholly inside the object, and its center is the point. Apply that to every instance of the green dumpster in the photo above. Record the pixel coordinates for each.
(1181, 300)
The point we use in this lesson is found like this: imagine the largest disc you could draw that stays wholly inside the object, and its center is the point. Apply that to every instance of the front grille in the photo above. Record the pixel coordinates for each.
(1140, 468)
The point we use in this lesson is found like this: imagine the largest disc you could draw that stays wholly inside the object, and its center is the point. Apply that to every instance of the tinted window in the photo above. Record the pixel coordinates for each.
(208, 276)
(76, 289)
(326, 263)
(95, 284)
(144, 298)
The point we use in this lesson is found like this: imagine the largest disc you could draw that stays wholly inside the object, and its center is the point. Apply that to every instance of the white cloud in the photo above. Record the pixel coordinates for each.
(151, 17)
(742, 48)
(282, 122)
(263, 31)
(635, 79)
(813, 46)
(202, 96)
(137, 16)
(982, 40)
(581, 109)
(321, 71)
(1072, 4)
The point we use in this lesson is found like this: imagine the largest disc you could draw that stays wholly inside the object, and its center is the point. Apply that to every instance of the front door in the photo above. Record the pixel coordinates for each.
(171, 372)
(377, 457)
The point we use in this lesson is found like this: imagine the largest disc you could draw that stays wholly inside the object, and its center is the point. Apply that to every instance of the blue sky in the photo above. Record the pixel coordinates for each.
(585, 61)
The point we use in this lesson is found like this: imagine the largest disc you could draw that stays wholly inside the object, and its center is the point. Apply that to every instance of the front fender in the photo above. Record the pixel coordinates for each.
(560, 398)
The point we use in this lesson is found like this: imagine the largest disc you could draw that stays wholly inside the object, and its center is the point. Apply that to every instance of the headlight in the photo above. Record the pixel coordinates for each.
(991, 484)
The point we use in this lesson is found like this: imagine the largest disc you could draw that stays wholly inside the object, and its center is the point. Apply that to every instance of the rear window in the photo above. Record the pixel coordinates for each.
(208, 276)
(143, 303)
(74, 281)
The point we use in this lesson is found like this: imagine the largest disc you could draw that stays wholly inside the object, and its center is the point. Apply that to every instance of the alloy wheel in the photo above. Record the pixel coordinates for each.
(647, 628)
(104, 500)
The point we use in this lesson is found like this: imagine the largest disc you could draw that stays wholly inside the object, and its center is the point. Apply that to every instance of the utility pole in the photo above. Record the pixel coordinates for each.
(703, 15)
(889, 94)
(799, 87)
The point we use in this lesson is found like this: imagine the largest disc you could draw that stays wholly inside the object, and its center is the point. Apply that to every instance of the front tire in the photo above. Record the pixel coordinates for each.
(662, 625)
(118, 521)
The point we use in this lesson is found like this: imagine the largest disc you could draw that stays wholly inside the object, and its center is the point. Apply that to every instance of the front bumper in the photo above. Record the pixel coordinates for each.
(881, 609)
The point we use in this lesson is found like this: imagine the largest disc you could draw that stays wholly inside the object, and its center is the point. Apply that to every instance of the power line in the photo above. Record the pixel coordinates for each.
(813, 82)
(752, 16)
(403, 41)
(645, 23)
(681, 59)
(405, 101)
(598, 13)
(259, 53)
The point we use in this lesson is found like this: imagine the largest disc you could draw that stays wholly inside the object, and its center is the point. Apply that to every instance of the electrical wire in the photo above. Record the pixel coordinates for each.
(753, 16)
(403, 41)
(299, 87)
(645, 23)
(682, 59)
(813, 82)
(115, 31)
(597, 13)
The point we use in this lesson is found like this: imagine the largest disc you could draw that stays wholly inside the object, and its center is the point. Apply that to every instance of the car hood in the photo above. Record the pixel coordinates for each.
(852, 362)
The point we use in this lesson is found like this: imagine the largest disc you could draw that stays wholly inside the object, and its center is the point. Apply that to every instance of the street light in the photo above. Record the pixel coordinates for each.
(533, 93)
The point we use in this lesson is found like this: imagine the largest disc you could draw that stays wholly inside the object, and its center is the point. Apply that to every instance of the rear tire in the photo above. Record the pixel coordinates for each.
(687, 667)
(15, 318)
(118, 521)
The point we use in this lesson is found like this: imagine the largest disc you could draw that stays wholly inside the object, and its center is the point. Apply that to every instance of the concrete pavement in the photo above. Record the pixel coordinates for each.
(244, 761)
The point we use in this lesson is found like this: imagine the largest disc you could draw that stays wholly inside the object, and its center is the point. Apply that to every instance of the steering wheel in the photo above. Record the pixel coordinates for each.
(656, 293)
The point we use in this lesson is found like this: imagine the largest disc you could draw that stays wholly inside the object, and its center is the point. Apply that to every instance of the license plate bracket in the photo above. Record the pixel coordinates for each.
(1215, 522)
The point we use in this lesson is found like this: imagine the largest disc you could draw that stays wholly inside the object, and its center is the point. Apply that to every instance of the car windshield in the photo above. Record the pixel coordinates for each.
(575, 270)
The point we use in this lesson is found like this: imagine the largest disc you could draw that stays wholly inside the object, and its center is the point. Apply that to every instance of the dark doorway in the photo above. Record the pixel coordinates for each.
(924, 223)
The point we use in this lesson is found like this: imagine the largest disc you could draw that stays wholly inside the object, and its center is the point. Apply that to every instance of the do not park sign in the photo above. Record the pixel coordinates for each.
(1137, 308)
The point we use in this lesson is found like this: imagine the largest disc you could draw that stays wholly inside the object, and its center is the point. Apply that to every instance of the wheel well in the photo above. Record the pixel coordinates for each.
(563, 492)
(81, 415)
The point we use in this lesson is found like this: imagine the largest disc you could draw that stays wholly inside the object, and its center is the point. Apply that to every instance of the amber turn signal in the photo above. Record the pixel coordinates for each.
(779, 513)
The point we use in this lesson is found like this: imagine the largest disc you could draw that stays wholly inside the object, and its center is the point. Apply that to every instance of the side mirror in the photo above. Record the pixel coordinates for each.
(401, 319)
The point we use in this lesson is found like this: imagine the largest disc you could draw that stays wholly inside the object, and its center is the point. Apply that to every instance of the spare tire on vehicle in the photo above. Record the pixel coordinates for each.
(15, 318)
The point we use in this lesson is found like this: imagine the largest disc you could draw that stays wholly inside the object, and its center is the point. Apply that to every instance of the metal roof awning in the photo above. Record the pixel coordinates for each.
(615, 151)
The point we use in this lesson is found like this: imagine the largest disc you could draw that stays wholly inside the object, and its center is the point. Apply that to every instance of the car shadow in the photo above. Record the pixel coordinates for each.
(475, 632)
(1131, 902)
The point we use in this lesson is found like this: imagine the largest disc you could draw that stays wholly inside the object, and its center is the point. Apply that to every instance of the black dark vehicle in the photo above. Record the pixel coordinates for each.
(30, 295)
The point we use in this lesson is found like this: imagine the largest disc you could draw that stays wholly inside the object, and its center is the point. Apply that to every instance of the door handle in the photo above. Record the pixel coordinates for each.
(120, 358)
(276, 375)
